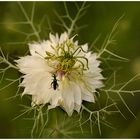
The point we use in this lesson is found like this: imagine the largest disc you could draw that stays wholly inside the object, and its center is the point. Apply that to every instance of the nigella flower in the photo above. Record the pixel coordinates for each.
(61, 73)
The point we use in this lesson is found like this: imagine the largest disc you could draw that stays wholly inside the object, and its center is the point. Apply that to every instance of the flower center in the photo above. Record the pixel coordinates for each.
(67, 59)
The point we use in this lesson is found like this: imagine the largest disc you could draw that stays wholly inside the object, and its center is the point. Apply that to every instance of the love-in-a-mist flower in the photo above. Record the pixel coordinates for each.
(60, 72)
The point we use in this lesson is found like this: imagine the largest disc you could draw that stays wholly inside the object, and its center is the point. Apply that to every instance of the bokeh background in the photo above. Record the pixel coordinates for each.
(99, 19)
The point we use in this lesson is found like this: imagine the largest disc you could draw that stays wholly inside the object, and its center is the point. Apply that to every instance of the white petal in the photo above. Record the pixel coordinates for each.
(31, 64)
(68, 97)
(77, 96)
(31, 81)
(85, 47)
(63, 37)
(77, 107)
(56, 99)
(87, 95)
(54, 40)
(37, 49)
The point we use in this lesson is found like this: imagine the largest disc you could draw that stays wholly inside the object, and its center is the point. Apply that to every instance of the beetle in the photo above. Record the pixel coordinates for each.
(54, 83)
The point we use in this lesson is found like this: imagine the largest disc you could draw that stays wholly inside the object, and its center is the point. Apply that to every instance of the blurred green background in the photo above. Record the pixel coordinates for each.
(99, 18)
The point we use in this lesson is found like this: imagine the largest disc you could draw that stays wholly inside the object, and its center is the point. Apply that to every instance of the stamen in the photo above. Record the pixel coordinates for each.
(66, 58)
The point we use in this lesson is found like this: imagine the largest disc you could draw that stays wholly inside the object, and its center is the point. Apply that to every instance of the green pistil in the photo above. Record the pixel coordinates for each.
(66, 58)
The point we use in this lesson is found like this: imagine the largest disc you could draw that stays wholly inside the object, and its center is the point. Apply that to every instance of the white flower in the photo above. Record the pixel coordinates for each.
(60, 72)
